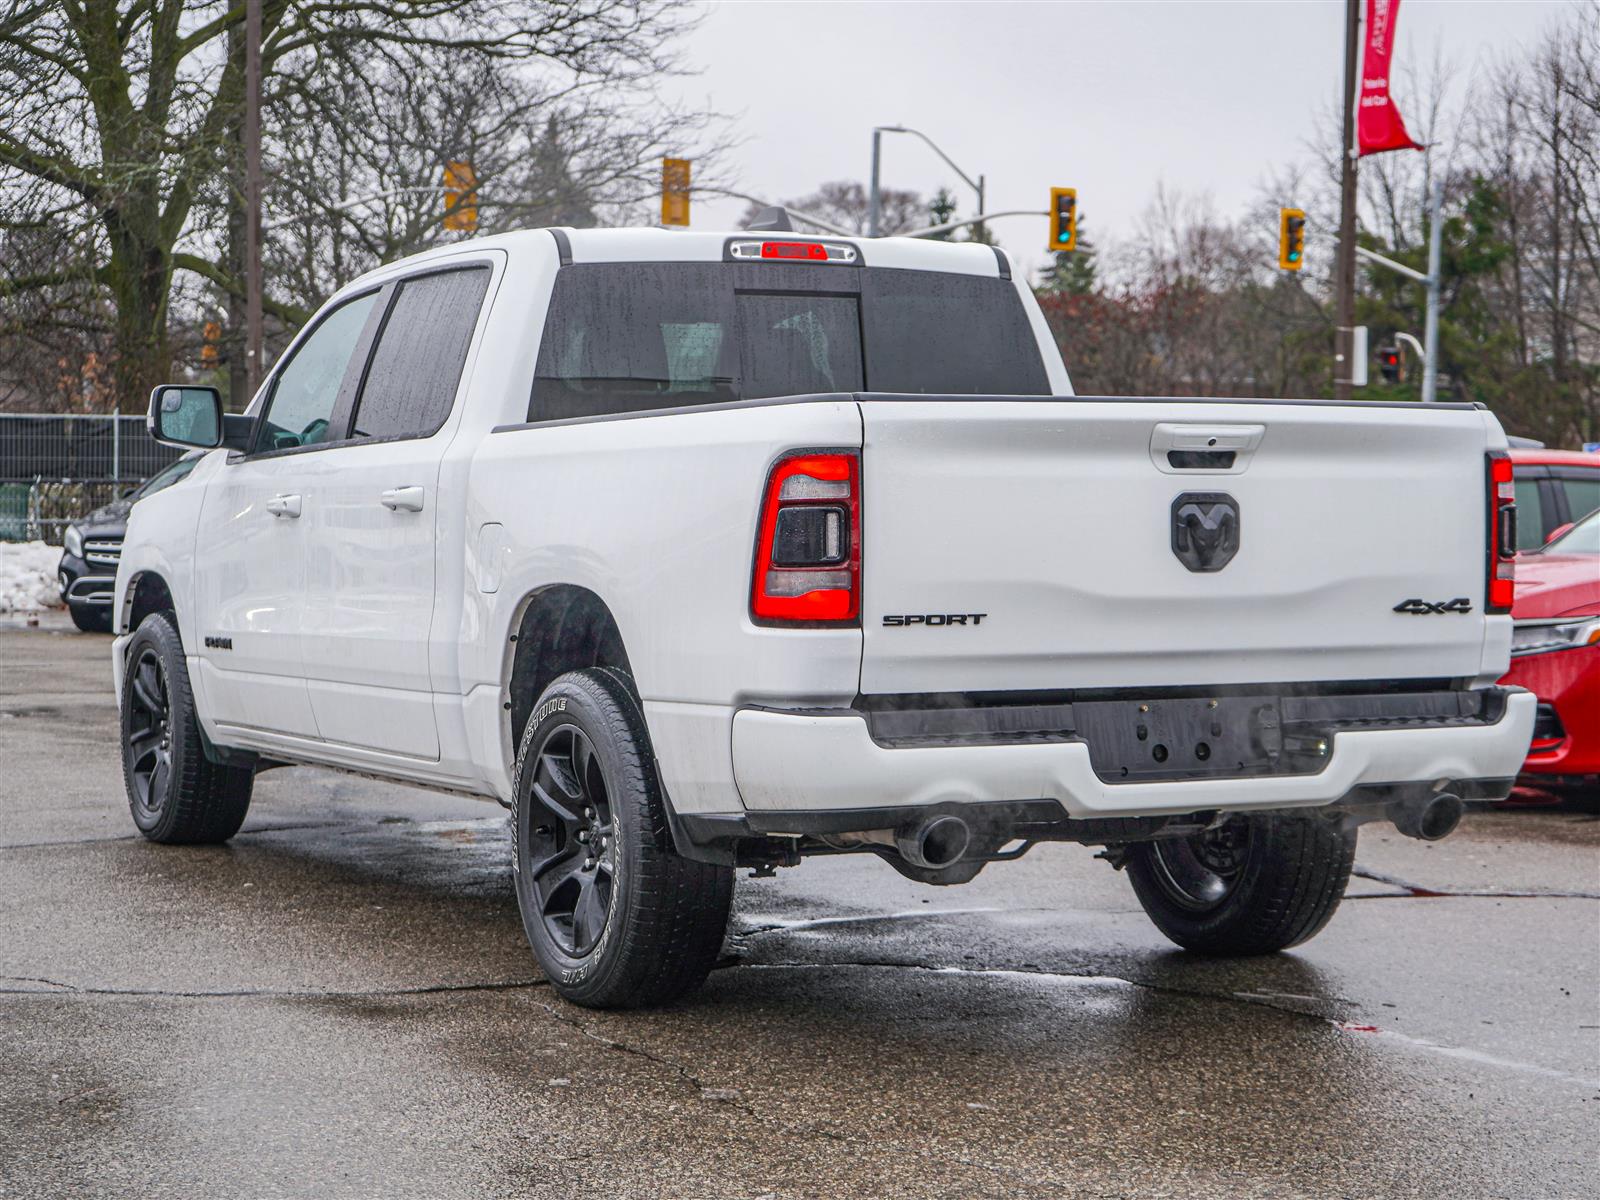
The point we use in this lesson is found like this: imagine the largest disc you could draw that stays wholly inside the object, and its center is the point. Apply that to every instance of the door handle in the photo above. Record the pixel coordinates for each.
(284, 506)
(403, 499)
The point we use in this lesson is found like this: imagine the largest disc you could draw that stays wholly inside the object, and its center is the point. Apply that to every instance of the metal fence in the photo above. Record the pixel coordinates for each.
(57, 467)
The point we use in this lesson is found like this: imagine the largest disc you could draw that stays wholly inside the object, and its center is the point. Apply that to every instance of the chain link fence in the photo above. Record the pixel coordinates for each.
(58, 467)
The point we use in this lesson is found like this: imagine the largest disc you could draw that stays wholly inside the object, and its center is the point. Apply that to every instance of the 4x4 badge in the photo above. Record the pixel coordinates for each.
(1423, 608)
(1205, 530)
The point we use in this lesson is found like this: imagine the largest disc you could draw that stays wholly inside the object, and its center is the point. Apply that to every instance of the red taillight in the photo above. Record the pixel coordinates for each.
(1502, 534)
(808, 550)
(812, 250)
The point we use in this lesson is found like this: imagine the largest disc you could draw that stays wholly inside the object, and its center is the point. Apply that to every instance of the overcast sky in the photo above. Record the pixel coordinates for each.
(1110, 98)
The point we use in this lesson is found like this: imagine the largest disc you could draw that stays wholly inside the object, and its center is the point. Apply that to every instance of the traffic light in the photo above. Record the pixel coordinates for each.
(460, 187)
(210, 335)
(1392, 363)
(1291, 238)
(674, 191)
(1063, 218)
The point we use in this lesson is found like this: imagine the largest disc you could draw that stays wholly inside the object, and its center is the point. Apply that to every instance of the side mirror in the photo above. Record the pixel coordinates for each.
(191, 415)
(184, 415)
(1556, 532)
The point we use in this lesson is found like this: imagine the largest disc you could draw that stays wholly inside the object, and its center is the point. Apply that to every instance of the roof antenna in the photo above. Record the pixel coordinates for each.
(771, 220)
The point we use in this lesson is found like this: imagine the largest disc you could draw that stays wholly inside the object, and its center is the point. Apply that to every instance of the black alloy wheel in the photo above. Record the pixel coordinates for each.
(616, 917)
(573, 850)
(149, 737)
(1254, 884)
(180, 789)
(1200, 872)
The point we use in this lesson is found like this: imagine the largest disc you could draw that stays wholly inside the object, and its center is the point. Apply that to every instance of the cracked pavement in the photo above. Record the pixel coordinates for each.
(340, 1003)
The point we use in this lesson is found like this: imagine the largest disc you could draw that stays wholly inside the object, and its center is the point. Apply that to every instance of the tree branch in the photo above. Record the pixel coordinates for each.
(291, 314)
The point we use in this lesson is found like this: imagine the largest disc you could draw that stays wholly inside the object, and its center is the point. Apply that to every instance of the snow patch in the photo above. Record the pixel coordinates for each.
(28, 577)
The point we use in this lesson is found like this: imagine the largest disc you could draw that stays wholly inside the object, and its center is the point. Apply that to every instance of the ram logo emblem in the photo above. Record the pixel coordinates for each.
(1205, 530)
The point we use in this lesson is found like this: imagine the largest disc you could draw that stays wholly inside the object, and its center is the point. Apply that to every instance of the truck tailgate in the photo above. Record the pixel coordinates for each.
(1075, 543)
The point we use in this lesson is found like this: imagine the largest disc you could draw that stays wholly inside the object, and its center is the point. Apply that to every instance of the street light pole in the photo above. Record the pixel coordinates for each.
(932, 230)
(1433, 281)
(875, 199)
(252, 199)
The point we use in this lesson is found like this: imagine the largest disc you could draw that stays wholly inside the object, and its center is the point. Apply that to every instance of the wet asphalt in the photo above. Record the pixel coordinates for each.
(340, 1003)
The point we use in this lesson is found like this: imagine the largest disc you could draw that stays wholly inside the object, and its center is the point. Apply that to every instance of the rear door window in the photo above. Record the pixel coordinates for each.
(1530, 513)
(1583, 493)
(416, 367)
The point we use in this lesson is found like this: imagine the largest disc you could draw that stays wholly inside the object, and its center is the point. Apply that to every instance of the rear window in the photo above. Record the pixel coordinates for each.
(792, 344)
(626, 337)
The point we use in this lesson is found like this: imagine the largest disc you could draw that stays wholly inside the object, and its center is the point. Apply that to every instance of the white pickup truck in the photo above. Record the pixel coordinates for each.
(702, 550)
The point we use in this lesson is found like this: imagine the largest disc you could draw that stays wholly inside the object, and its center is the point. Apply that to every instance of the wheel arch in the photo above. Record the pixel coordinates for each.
(146, 591)
(557, 628)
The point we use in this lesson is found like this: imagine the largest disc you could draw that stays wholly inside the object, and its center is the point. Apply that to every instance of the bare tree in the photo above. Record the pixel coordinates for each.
(118, 119)
(1535, 136)
(359, 147)
(845, 203)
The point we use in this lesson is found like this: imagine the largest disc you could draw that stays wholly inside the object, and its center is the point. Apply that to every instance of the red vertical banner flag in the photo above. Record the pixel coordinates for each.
(1379, 126)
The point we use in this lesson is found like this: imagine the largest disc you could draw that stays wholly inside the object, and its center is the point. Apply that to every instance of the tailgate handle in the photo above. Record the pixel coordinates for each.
(1177, 448)
(1201, 460)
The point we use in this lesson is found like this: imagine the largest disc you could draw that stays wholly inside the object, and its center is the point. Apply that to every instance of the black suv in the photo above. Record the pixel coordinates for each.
(92, 548)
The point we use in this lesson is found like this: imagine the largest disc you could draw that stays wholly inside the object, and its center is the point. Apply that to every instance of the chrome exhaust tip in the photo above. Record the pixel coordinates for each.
(1427, 820)
(935, 844)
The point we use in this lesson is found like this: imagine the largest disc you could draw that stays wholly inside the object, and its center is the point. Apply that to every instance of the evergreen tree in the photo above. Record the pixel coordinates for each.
(1072, 272)
(941, 208)
(1480, 358)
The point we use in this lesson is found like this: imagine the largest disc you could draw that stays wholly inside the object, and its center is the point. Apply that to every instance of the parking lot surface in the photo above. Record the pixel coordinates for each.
(340, 1002)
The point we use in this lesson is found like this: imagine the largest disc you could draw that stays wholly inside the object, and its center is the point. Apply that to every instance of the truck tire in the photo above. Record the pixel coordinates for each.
(1256, 884)
(616, 917)
(90, 619)
(176, 794)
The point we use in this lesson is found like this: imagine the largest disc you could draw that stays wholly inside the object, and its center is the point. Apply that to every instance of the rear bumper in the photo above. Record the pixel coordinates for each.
(788, 765)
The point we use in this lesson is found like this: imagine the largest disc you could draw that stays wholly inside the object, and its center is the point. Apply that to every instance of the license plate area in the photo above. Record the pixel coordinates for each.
(1186, 738)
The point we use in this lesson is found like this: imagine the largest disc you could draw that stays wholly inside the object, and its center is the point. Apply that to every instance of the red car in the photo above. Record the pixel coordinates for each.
(1555, 653)
(1554, 487)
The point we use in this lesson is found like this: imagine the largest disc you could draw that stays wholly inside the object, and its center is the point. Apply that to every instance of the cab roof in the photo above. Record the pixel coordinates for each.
(655, 244)
(681, 245)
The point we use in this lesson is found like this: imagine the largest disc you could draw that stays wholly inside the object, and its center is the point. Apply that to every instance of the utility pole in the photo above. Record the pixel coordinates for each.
(1430, 329)
(1345, 272)
(252, 199)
